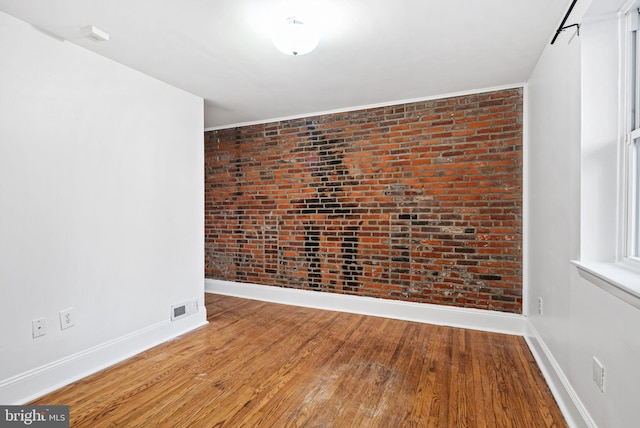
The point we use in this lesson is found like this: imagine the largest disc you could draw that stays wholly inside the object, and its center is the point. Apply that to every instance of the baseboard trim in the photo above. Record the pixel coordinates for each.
(570, 404)
(475, 319)
(28, 386)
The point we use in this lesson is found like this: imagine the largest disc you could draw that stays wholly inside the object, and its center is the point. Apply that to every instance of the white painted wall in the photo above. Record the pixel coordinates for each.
(572, 112)
(553, 152)
(101, 208)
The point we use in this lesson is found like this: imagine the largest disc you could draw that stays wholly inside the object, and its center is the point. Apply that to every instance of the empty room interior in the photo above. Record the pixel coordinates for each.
(321, 213)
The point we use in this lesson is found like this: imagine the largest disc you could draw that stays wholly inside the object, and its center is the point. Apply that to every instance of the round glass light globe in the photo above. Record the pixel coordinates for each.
(294, 37)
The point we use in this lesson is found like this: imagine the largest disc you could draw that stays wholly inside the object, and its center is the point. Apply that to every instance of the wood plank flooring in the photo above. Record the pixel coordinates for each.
(263, 364)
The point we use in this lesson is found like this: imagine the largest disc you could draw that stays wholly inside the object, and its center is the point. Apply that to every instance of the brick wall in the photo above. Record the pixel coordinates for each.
(419, 202)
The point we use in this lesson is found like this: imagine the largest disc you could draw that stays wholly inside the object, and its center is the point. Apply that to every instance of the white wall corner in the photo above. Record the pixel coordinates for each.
(568, 401)
(474, 319)
(28, 386)
(525, 200)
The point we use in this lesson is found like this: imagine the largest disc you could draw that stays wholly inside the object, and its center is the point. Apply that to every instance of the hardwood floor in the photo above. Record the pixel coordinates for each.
(263, 364)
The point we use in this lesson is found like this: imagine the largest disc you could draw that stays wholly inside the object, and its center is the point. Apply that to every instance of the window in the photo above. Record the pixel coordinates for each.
(631, 176)
(610, 231)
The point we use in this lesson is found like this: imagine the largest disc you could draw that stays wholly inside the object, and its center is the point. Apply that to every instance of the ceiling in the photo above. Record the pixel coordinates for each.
(370, 52)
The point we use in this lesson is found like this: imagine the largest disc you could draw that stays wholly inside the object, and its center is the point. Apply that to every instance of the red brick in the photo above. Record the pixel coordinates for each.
(411, 202)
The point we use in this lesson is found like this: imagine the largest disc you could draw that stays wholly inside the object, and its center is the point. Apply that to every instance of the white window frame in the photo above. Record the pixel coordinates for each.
(630, 177)
(619, 277)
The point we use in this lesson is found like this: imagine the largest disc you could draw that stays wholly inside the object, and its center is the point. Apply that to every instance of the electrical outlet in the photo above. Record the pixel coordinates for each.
(67, 319)
(39, 327)
(597, 373)
(539, 305)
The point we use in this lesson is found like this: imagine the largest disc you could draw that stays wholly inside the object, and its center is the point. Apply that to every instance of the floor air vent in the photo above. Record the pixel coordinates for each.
(183, 310)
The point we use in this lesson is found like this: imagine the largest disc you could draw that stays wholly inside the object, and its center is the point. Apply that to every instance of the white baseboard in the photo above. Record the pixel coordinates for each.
(475, 319)
(568, 401)
(30, 385)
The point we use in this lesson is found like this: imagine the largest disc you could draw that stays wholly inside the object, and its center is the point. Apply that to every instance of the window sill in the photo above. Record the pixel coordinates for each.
(614, 278)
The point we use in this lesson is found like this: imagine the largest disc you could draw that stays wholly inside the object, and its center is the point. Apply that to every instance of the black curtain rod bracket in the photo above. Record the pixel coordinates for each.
(563, 27)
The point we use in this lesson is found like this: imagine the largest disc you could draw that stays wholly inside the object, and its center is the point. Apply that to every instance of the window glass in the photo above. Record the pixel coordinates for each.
(632, 143)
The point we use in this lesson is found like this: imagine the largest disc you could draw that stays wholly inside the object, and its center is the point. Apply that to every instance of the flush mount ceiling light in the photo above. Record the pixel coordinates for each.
(294, 37)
